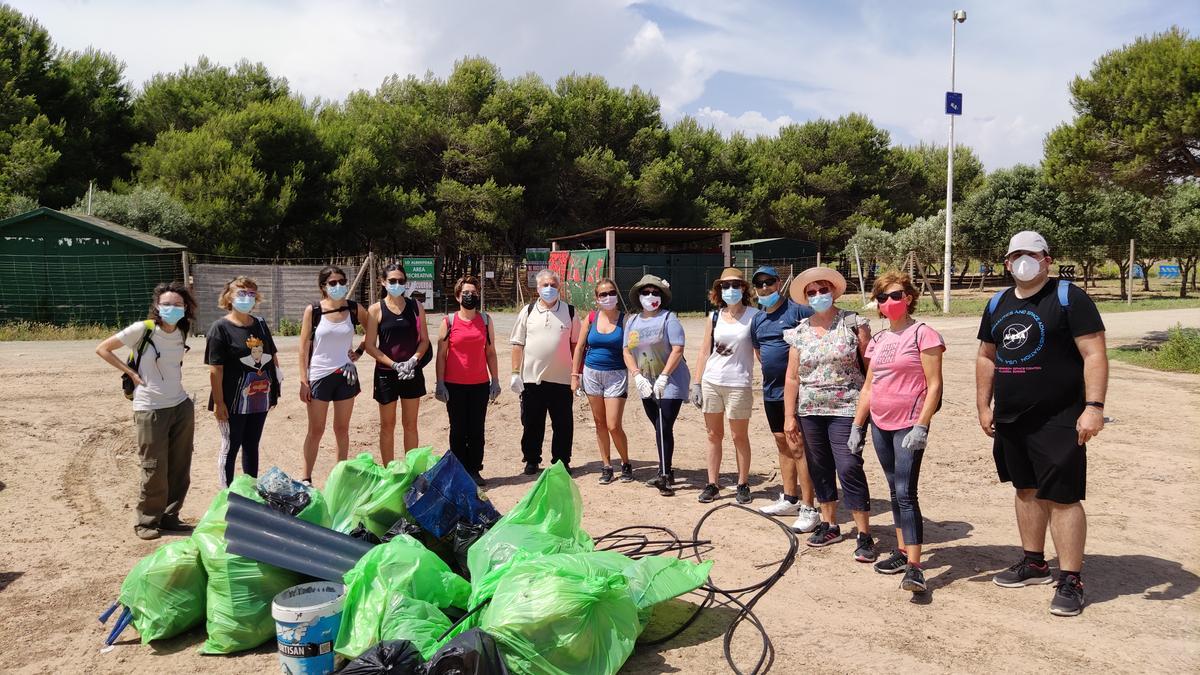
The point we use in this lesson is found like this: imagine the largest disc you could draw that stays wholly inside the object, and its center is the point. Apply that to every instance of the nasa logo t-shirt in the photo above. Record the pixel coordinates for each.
(1038, 367)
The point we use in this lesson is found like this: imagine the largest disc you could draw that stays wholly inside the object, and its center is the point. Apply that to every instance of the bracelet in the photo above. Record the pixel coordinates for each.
(576, 374)
(1094, 404)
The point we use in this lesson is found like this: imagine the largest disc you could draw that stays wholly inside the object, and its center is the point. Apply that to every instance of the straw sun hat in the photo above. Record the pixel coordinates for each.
(812, 274)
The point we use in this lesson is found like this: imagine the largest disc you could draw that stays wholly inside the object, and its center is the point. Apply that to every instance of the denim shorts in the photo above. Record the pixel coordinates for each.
(606, 383)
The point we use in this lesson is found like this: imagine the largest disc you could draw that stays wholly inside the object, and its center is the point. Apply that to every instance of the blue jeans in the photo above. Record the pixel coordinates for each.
(830, 461)
(902, 468)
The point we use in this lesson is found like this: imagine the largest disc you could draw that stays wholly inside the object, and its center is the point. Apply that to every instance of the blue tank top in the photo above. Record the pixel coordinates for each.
(604, 350)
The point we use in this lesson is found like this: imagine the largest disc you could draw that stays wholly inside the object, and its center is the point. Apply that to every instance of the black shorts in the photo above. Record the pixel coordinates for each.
(333, 387)
(774, 410)
(1044, 455)
(389, 387)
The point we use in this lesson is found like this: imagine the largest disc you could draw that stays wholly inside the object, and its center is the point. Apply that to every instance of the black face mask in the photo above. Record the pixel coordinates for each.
(470, 301)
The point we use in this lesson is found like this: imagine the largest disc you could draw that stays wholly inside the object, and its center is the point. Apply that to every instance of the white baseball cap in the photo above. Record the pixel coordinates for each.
(1027, 241)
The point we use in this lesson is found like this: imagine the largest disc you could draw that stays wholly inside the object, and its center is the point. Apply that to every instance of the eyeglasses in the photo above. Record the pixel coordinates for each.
(815, 292)
(764, 283)
(894, 295)
(606, 294)
(726, 285)
(246, 294)
(651, 291)
(336, 282)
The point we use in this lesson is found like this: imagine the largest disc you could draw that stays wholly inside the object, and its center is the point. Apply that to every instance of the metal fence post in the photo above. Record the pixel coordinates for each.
(1129, 288)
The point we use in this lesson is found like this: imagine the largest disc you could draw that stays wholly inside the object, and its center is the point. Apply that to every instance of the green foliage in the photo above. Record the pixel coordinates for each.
(149, 209)
(1180, 353)
(185, 100)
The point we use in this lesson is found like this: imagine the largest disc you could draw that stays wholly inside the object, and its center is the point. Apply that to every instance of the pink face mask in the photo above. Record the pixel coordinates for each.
(894, 309)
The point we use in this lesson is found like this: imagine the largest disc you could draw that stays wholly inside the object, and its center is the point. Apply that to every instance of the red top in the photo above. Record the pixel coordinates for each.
(466, 359)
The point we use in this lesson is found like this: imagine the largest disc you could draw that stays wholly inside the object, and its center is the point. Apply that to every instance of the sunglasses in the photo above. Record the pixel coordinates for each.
(816, 292)
(397, 281)
(246, 294)
(894, 295)
(764, 283)
(336, 282)
(726, 285)
(651, 291)
(606, 294)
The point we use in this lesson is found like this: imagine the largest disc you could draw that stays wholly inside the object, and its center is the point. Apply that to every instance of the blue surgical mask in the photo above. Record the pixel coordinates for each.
(396, 290)
(731, 296)
(170, 314)
(243, 305)
(338, 292)
(821, 302)
(768, 300)
(549, 294)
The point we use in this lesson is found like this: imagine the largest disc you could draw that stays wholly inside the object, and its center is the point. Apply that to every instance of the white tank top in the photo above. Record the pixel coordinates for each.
(731, 363)
(331, 347)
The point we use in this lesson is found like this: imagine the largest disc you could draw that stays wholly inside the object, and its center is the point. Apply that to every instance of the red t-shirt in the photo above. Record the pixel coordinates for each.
(898, 390)
(466, 360)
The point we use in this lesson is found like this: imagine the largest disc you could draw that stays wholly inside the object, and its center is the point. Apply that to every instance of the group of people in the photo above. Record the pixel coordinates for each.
(828, 384)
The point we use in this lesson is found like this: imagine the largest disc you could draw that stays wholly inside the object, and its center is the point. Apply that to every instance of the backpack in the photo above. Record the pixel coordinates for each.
(529, 310)
(1064, 299)
(487, 322)
(134, 360)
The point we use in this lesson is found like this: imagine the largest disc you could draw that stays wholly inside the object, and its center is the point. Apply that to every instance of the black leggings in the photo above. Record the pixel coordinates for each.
(241, 432)
(467, 410)
(664, 436)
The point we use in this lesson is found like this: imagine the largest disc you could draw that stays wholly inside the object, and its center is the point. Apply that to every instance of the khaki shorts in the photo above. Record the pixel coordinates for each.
(735, 402)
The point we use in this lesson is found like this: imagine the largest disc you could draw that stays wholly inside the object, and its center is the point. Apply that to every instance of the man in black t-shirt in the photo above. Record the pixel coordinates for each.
(1042, 363)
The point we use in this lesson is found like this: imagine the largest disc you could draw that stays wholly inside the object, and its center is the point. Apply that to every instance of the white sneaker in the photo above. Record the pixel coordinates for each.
(808, 519)
(781, 508)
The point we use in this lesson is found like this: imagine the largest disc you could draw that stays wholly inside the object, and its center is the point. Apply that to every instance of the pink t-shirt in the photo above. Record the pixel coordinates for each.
(898, 390)
(466, 361)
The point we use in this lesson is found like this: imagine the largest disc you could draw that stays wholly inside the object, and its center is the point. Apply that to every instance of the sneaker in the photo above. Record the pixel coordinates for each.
(895, 563)
(146, 533)
(531, 469)
(710, 493)
(808, 520)
(664, 484)
(914, 580)
(824, 535)
(172, 523)
(626, 473)
(570, 471)
(478, 479)
(1024, 573)
(1068, 596)
(306, 482)
(865, 551)
(606, 475)
(782, 507)
(743, 494)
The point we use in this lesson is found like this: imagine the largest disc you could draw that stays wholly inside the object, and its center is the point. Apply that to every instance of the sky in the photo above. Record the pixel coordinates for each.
(734, 65)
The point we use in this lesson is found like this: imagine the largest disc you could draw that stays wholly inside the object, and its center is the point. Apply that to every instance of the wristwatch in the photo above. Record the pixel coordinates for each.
(1094, 404)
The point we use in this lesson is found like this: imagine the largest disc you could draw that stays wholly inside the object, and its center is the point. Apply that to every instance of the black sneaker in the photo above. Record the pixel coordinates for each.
(606, 475)
(1024, 573)
(478, 479)
(627, 473)
(531, 469)
(824, 535)
(172, 523)
(710, 493)
(914, 580)
(664, 484)
(1068, 596)
(893, 564)
(570, 471)
(865, 551)
(743, 494)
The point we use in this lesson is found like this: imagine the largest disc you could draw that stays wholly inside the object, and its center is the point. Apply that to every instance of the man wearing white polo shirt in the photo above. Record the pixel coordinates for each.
(543, 340)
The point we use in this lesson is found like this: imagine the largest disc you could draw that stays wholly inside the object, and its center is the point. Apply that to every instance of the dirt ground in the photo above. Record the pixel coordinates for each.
(69, 483)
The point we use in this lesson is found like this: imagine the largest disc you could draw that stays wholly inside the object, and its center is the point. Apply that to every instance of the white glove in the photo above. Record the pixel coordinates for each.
(660, 385)
(643, 386)
(697, 395)
(516, 385)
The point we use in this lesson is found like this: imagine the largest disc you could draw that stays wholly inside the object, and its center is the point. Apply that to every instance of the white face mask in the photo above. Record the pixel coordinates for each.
(650, 302)
(1026, 268)
(607, 301)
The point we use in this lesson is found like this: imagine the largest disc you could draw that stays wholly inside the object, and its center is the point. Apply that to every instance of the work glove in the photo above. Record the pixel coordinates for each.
(516, 385)
(350, 372)
(441, 393)
(494, 390)
(917, 438)
(660, 385)
(857, 440)
(579, 392)
(643, 386)
(697, 397)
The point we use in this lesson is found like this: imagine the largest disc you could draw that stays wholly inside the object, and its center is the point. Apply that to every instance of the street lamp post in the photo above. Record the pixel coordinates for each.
(958, 17)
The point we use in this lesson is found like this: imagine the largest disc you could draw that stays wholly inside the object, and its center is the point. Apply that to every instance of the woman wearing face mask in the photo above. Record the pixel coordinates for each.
(327, 371)
(825, 374)
(903, 390)
(240, 354)
(163, 414)
(398, 341)
(726, 366)
(467, 375)
(654, 342)
(599, 369)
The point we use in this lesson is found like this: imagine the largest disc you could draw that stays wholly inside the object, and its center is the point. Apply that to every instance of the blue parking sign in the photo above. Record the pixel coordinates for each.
(953, 103)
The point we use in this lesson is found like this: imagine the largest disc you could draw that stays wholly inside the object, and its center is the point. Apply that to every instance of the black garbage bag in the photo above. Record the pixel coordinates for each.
(471, 653)
(282, 493)
(442, 548)
(390, 657)
(363, 534)
(463, 536)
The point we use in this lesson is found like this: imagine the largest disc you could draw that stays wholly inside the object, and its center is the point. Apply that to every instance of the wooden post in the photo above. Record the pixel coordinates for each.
(610, 243)
(1129, 288)
(361, 271)
(862, 284)
(482, 282)
(187, 271)
(726, 248)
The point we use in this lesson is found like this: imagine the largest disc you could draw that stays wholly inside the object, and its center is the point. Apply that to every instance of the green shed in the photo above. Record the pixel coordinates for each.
(63, 268)
(750, 252)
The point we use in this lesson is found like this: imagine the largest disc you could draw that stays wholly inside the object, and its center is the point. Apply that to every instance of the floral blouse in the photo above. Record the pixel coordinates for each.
(830, 377)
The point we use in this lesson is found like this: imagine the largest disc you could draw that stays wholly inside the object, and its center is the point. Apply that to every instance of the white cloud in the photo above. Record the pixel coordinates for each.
(752, 123)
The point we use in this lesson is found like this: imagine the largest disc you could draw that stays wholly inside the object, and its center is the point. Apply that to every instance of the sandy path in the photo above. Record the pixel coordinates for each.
(66, 463)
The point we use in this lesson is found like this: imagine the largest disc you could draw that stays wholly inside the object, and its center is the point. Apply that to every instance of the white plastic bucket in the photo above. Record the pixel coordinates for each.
(306, 624)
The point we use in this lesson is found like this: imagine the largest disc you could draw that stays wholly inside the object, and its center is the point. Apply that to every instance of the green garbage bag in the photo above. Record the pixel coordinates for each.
(240, 590)
(563, 614)
(401, 567)
(359, 491)
(417, 621)
(165, 591)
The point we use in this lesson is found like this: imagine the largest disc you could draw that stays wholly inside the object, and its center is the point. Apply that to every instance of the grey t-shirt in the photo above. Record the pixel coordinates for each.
(650, 341)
